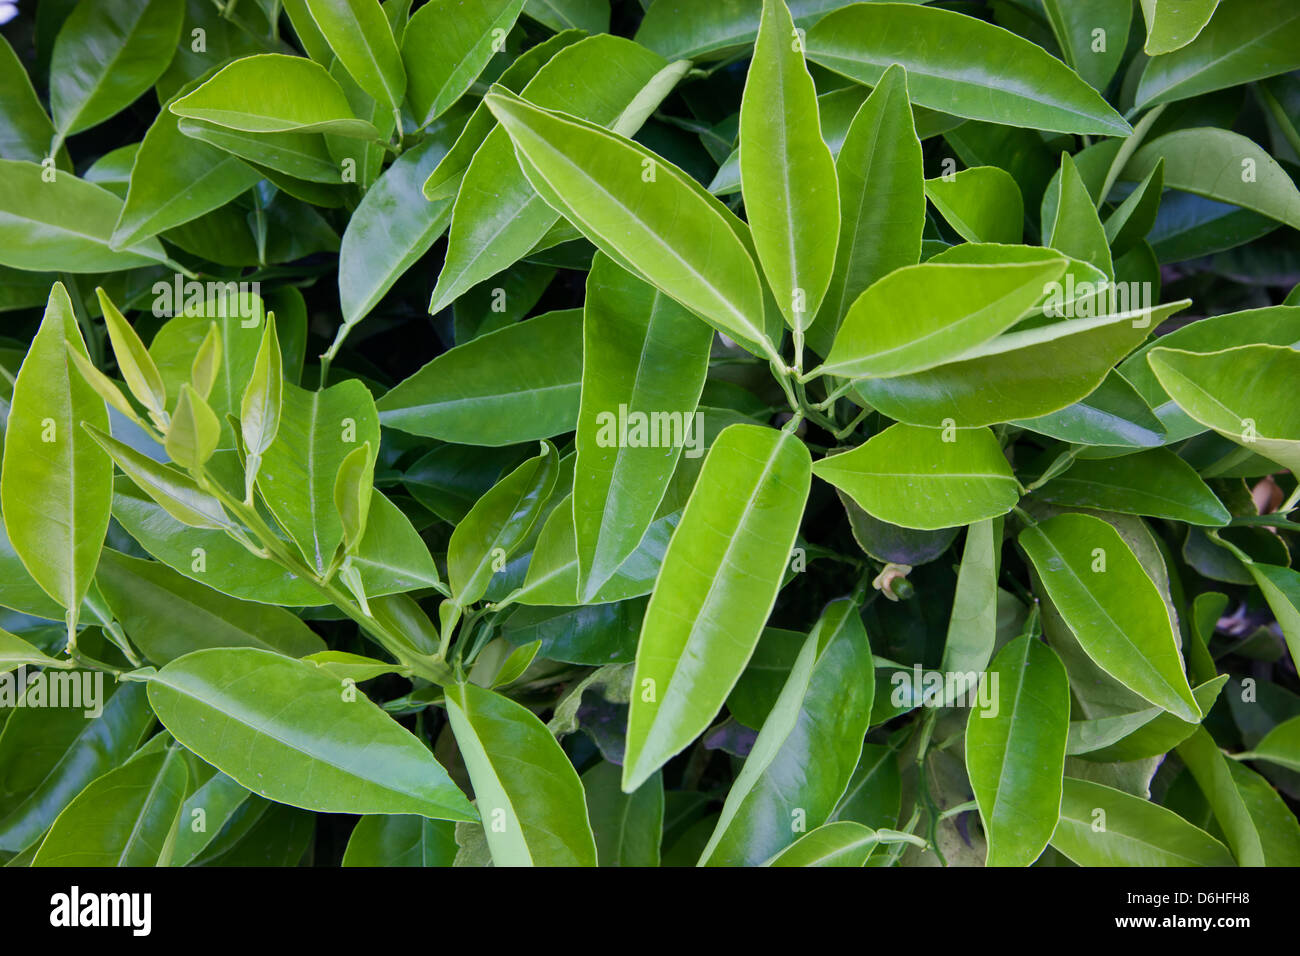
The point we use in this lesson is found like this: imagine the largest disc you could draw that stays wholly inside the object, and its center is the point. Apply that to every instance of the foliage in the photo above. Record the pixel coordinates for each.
(640, 433)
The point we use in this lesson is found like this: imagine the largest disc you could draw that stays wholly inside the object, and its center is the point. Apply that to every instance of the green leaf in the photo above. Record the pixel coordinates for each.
(1281, 590)
(497, 524)
(1234, 392)
(107, 53)
(218, 801)
(274, 93)
(627, 826)
(261, 407)
(668, 230)
(62, 223)
(1280, 746)
(352, 491)
(1102, 826)
(684, 28)
(175, 492)
(499, 217)
(925, 315)
(644, 364)
(194, 431)
(1142, 734)
(1015, 751)
(167, 615)
(56, 486)
(1156, 483)
(808, 747)
(1172, 25)
(518, 384)
(962, 66)
(175, 179)
(359, 34)
(1112, 605)
(50, 755)
(25, 129)
(1094, 56)
(972, 625)
(882, 201)
(128, 817)
(1113, 417)
(445, 180)
(390, 230)
(527, 793)
(1244, 42)
(401, 840)
(589, 15)
(446, 46)
(925, 478)
(317, 433)
(1214, 774)
(983, 204)
(791, 191)
(1077, 230)
(715, 590)
(290, 732)
(842, 843)
(15, 653)
(1021, 374)
(1221, 165)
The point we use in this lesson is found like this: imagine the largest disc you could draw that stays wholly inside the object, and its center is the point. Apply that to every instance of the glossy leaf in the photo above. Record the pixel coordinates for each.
(527, 793)
(644, 364)
(961, 65)
(360, 35)
(1015, 751)
(715, 589)
(1110, 602)
(285, 730)
(628, 826)
(925, 478)
(788, 175)
(56, 485)
(1156, 483)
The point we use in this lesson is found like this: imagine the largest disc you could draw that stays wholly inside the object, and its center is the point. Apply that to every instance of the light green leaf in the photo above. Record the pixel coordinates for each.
(715, 590)
(499, 217)
(527, 793)
(1172, 25)
(788, 175)
(284, 729)
(1221, 165)
(446, 46)
(982, 203)
(316, 434)
(274, 93)
(1077, 230)
(25, 129)
(925, 478)
(517, 384)
(1280, 746)
(1112, 605)
(962, 66)
(1235, 392)
(56, 486)
(194, 431)
(107, 53)
(644, 364)
(63, 224)
(15, 653)
(1015, 751)
(1102, 826)
(842, 843)
(1094, 56)
(925, 315)
(359, 34)
(882, 201)
(668, 229)
(972, 625)
(261, 406)
(1214, 774)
